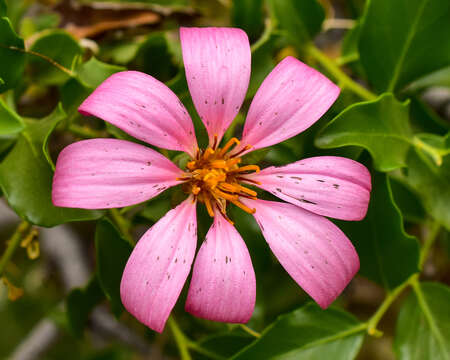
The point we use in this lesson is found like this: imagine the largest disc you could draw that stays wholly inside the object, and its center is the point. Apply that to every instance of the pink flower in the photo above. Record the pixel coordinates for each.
(110, 173)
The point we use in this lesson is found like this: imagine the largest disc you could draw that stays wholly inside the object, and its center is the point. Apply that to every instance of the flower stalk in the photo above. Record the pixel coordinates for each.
(344, 81)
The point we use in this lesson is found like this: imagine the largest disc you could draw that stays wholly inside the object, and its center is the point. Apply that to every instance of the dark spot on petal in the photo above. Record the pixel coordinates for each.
(223, 101)
(149, 163)
(307, 201)
(320, 180)
(336, 186)
(296, 178)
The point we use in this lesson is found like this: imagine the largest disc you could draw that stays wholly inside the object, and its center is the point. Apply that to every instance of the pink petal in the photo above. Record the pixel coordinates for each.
(223, 285)
(159, 265)
(110, 173)
(326, 185)
(313, 250)
(217, 63)
(145, 108)
(291, 98)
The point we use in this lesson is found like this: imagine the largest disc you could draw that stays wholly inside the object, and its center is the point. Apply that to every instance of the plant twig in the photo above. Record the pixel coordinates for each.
(250, 331)
(390, 298)
(180, 339)
(42, 56)
(341, 77)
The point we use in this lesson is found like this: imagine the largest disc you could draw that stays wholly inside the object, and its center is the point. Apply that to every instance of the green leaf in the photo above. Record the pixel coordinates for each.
(79, 304)
(12, 57)
(308, 333)
(380, 239)
(301, 19)
(248, 15)
(262, 60)
(10, 122)
(403, 40)
(26, 177)
(407, 201)
(226, 344)
(439, 77)
(375, 125)
(89, 75)
(430, 181)
(154, 57)
(3, 8)
(423, 327)
(59, 46)
(112, 253)
(93, 72)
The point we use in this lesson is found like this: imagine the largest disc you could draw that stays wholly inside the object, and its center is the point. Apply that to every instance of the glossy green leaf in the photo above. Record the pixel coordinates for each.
(301, 19)
(375, 125)
(425, 119)
(431, 181)
(10, 122)
(403, 40)
(407, 201)
(12, 59)
(112, 252)
(26, 177)
(308, 333)
(380, 239)
(79, 304)
(248, 16)
(93, 72)
(225, 344)
(423, 327)
(59, 46)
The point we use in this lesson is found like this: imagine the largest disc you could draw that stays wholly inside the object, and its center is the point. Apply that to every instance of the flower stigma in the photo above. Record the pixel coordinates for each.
(214, 178)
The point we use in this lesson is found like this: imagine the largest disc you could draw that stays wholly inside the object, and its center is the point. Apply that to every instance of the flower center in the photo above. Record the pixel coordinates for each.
(214, 178)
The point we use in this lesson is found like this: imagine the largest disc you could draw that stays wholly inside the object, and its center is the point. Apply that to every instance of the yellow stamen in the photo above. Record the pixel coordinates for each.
(246, 168)
(213, 178)
(243, 207)
(219, 164)
(209, 206)
(208, 152)
(228, 145)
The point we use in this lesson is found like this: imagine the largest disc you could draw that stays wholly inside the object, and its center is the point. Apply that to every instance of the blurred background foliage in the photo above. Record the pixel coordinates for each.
(392, 61)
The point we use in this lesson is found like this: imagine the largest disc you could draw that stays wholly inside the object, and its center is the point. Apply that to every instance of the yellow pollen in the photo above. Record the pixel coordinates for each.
(214, 178)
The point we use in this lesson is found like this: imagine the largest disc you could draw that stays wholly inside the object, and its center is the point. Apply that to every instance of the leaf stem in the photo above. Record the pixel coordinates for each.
(181, 339)
(250, 331)
(390, 298)
(197, 348)
(432, 235)
(13, 244)
(341, 77)
(44, 57)
(123, 225)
